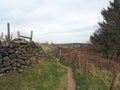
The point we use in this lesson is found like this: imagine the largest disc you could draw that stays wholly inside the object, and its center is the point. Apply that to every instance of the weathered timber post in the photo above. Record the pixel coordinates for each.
(31, 36)
(115, 81)
(18, 34)
(11, 37)
(86, 72)
(8, 32)
(60, 54)
(1, 35)
(79, 61)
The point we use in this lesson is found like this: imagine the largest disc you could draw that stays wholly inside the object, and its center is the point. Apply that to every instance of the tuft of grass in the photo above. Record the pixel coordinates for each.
(47, 75)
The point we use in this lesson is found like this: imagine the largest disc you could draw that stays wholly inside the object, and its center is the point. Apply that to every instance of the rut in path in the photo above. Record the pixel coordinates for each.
(71, 82)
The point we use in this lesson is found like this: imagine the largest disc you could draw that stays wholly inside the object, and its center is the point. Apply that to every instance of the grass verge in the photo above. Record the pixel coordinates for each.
(87, 81)
(46, 75)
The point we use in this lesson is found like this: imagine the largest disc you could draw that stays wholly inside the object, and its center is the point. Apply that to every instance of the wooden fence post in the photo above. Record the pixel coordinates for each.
(31, 36)
(60, 54)
(1, 35)
(8, 32)
(115, 81)
(18, 34)
(86, 72)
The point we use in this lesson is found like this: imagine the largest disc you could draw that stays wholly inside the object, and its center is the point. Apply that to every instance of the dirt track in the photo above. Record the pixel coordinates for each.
(71, 82)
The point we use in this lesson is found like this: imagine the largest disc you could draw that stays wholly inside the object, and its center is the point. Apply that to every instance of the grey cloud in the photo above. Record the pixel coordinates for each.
(68, 19)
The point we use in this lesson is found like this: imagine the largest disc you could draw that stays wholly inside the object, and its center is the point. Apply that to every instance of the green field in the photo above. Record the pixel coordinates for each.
(46, 75)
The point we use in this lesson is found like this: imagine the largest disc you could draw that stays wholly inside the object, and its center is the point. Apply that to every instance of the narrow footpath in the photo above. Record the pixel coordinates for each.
(71, 81)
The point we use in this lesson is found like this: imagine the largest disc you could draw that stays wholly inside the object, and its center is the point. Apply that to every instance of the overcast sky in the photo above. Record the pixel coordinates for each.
(59, 21)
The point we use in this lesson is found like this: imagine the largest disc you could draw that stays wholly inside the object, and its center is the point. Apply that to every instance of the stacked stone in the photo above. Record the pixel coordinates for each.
(35, 50)
(53, 52)
(17, 56)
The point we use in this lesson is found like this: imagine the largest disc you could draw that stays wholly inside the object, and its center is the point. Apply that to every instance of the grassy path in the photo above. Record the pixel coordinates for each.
(46, 75)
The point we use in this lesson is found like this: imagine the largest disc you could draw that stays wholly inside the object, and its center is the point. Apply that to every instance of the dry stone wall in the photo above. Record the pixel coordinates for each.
(17, 56)
(53, 52)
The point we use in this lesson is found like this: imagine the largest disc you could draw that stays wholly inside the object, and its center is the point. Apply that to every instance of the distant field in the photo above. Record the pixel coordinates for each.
(46, 75)
(46, 47)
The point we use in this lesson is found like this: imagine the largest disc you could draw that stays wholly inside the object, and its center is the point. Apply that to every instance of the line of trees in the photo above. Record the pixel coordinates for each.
(107, 38)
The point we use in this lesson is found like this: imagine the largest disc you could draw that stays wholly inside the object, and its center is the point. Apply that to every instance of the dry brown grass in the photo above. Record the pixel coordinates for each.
(81, 56)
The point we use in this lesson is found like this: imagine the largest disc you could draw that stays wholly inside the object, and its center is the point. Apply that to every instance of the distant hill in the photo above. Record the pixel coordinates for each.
(74, 44)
